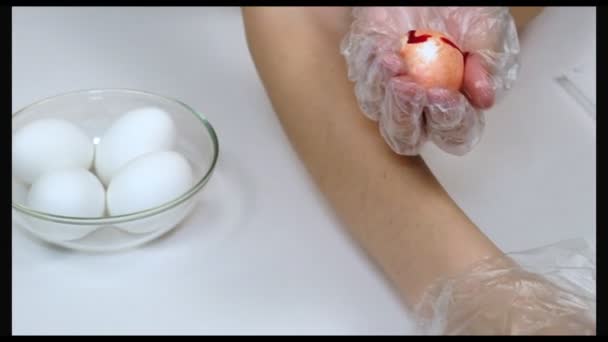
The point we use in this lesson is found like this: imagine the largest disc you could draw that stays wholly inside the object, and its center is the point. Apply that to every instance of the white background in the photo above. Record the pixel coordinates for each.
(264, 254)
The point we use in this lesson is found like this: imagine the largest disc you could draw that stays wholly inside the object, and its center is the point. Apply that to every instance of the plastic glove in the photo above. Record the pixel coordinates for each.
(546, 291)
(409, 114)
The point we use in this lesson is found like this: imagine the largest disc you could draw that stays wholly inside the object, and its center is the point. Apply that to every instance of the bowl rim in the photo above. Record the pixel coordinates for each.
(73, 220)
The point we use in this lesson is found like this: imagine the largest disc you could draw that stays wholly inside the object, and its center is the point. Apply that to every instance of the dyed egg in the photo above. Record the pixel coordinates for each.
(432, 59)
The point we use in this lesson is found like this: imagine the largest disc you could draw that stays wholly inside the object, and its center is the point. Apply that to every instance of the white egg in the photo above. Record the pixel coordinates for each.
(68, 192)
(19, 191)
(134, 134)
(149, 181)
(47, 145)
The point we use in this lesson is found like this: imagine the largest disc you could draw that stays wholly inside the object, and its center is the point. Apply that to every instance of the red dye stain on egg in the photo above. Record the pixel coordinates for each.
(432, 59)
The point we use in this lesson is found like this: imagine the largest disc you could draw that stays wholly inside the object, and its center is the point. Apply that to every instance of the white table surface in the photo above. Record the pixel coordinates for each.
(264, 254)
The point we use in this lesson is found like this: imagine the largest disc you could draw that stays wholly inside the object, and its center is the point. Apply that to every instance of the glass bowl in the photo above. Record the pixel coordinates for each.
(94, 111)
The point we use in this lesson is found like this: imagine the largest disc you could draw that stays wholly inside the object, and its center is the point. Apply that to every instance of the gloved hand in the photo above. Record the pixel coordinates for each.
(410, 114)
(550, 290)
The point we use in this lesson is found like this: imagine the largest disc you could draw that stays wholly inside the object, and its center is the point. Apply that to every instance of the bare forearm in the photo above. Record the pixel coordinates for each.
(392, 205)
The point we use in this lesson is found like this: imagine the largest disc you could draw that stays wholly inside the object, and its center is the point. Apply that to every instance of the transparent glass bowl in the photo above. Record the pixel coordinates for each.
(94, 111)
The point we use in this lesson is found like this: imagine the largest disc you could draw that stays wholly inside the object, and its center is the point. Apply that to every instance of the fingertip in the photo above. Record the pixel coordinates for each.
(445, 108)
(477, 83)
(401, 122)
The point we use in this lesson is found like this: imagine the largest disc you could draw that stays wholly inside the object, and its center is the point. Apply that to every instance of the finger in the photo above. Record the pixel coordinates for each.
(477, 83)
(374, 65)
(452, 123)
(402, 121)
(370, 87)
(489, 37)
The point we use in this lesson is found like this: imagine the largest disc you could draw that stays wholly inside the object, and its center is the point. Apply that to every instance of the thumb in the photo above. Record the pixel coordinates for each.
(477, 82)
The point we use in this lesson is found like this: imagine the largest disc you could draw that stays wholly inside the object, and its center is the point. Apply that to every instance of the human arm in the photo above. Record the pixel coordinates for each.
(392, 205)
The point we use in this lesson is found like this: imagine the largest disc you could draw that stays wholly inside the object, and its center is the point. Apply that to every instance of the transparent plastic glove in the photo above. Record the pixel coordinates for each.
(410, 114)
(546, 291)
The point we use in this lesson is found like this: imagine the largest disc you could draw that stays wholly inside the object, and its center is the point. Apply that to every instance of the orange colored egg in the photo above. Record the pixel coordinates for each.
(432, 59)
